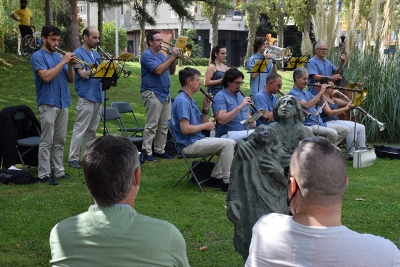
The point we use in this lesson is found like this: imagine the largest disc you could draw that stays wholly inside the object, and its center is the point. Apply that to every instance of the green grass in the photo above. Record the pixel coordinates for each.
(28, 212)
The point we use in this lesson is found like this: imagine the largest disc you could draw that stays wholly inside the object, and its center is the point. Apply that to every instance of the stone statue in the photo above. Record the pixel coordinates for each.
(258, 182)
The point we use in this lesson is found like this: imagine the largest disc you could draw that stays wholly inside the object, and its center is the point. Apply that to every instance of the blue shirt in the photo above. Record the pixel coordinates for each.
(264, 101)
(184, 107)
(159, 84)
(89, 89)
(325, 117)
(56, 92)
(226, 101)
(307, 96)
(259, 82)
(316, 66)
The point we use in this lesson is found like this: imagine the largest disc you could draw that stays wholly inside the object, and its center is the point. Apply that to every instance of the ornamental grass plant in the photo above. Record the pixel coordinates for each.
(28, 212)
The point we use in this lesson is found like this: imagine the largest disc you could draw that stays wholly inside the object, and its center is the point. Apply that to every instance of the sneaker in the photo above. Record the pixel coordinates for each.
(151, 158)
(74, 164)
(163, 155)
(65, 176)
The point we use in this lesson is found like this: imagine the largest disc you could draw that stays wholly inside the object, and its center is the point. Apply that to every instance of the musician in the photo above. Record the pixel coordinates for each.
(258, 79)
(230, 107)
(334, 133)
(90, 98)
(330, 116)
(188, 122)
(266, 99)
(155, 90)
(319, 67)
(52, 73)
(216, 70)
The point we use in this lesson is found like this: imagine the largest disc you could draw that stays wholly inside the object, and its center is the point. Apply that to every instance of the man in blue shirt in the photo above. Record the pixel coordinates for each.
(156, 97)
(188, 122)
(90, 98)
(257, 75)
(319, 67)
(52, 75)
(266, 99)
(334, 133)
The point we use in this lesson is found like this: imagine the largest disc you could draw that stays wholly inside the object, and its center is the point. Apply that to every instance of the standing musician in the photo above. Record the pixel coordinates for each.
(52, 73)
(230, 107)
(216, 70)
(266, 99)
(329, 116)
(155, 90)
(319, 67)
(258, 79)
(90, 98)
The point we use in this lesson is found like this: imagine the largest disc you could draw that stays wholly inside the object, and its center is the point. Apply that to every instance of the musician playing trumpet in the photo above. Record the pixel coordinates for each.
(232, 107)
(330, 116)
(52, 73)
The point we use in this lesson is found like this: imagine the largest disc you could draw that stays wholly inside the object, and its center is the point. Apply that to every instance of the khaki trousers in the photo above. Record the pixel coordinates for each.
(334, 133)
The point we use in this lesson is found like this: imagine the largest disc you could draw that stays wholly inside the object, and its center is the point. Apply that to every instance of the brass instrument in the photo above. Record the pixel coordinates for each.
(126, 72)
(305, 112)
(259, 113)
(183, 53)
(279, 53)
(209, 97)
(358, 99)
(80, 64)
(380, 125)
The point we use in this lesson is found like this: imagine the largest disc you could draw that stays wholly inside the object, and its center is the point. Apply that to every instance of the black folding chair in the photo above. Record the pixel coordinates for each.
(125, 107)
(204, 158)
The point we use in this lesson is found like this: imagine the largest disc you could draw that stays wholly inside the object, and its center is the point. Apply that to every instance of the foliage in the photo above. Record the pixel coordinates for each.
(108, 38)
(11, 42)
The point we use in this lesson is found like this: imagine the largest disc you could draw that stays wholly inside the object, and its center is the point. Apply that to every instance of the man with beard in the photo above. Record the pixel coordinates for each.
(24, 16)
(90, 98)
(52, 72)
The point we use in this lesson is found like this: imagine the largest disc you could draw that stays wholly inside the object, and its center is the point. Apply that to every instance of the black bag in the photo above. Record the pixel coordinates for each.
(170, 148)
(202, 171)
(16, 177)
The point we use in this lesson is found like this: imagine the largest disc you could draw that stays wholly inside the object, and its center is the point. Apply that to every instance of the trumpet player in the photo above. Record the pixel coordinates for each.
(330, 114)
(90, 98)
(155, 91)
(52, 73)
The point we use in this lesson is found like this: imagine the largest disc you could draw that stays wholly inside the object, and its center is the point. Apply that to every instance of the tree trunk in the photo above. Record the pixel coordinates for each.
(252, 26)
(48, 11)
(214, 24)
(180, 32)
(100, 20)
(75, 43)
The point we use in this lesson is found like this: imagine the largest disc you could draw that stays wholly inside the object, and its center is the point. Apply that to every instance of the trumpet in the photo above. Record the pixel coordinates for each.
(183, 54)
(80, 64)
(126, 72)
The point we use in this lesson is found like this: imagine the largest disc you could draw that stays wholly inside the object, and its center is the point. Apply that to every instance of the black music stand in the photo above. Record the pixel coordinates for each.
(260, 66)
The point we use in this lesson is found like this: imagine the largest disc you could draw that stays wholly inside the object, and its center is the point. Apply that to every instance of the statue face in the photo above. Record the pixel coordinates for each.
(287, 108)
(264, 137)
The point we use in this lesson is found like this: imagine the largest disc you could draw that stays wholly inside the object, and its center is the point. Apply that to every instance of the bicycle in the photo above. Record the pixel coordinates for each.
(31, 43)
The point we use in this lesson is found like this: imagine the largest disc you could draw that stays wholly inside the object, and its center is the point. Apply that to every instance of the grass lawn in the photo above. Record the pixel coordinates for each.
(28, 212)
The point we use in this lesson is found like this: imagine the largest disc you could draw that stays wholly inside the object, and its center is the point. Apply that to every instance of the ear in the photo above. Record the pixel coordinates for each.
(292, 188)
(137, 177)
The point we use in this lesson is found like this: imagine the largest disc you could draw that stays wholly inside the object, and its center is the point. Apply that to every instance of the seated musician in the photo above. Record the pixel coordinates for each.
(188, 122)
(230, 108)
(334, 133)
(266, 99)
(330, 116)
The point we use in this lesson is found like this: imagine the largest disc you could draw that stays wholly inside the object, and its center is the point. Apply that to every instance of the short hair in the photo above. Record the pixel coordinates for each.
(109, 169)
(215, 49)
(326, 80)
(231, 75)
(86, 32)
(272, 77)
(299, 72)
(50, 30)
(187, 74)
(318, 43)
(319, 168)
(150, 35)
(258, 42)
(299, 117)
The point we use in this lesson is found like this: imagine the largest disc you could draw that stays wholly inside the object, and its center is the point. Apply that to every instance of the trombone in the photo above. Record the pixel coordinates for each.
(125, 71)
(183, 53)
(80, 64)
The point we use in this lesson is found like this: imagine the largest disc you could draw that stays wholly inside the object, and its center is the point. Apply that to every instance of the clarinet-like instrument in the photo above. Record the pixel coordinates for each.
(207, 95)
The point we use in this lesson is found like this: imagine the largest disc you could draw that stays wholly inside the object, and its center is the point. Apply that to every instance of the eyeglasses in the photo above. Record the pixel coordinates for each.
(323, 49)
(279, 85)
(238, 83)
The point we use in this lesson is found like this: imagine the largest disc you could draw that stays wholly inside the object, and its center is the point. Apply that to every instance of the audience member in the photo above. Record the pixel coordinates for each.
(188, 122)
(314, 235)
(24, 16)
(112, 232)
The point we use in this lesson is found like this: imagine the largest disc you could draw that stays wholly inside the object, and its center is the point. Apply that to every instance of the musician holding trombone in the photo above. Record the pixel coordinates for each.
(155, 90)
(90, 98)
(52, 72)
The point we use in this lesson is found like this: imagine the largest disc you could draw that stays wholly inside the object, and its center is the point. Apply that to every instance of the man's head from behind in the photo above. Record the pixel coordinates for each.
(319, 169)
(187, 74)
(109, 168)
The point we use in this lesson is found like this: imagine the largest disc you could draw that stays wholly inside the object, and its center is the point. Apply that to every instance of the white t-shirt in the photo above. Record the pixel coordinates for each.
(279, 241)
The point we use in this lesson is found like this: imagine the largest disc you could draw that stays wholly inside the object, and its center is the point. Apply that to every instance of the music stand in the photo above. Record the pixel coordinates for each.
(260, 66)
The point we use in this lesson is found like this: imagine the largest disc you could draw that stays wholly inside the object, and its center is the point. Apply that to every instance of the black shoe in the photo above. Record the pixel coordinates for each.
(65, 176)
(47, 179)
(350, 158)
(74, 164)
(224, 187)
(163, 156)
(214, 182)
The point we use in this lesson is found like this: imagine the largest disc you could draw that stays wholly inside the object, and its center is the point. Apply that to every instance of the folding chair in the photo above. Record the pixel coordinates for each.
(112, 114)
(180, 154)
(25, 145)
(125, 107)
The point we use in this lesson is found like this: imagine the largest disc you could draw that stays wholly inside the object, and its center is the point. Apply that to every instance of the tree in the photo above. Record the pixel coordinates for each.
(109, 37)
